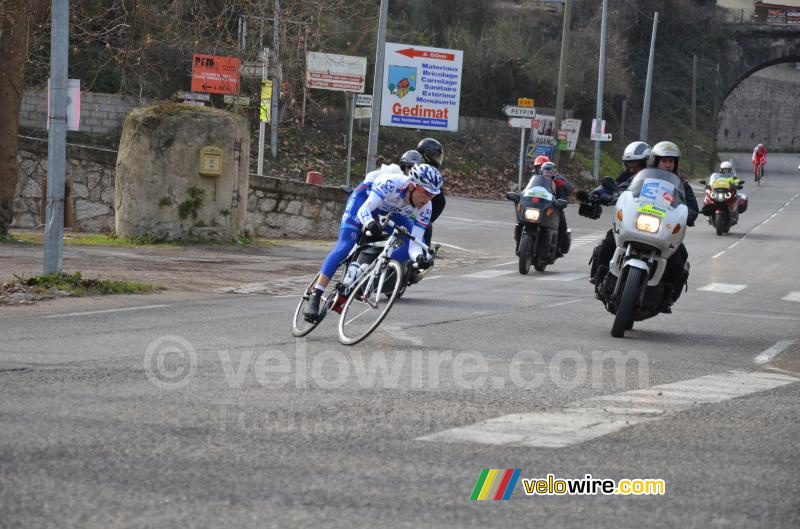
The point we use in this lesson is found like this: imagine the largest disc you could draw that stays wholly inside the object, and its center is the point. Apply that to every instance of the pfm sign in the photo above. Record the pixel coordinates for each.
(215, 74)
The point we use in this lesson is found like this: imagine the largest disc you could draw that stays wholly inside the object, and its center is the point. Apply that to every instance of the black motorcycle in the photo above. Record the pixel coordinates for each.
(538, 221)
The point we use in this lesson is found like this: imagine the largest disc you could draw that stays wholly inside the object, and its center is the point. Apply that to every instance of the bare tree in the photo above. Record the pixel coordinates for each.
(16, 19)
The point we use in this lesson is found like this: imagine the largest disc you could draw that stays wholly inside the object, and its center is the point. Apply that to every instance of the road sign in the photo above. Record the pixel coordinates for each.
(252, 69)
(572, 128)
(525, 102)
(421, 87)
(362, 113)
(600, 137)
(520, 123)
(519, 112)
(192, 96)
(266, 101)
(215, 74)
(242, 101)
(364, 100)
(341, 73)
(530, 152)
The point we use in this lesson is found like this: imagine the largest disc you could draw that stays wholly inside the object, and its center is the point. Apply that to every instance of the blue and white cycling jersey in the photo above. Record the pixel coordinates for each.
(366, 184)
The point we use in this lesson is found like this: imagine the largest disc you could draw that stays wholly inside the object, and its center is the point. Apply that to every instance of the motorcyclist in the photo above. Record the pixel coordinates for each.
(666, 155)
(406, 197)
(634, 159)
(537, 163)
(726, 167)
(561, 188)
(433, 154)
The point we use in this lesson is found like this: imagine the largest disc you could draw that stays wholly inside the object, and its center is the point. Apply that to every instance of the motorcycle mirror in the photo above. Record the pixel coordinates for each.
(512, 196)
(741, 182)
(561, 203)
(701, 182)
(608, 183)
(582, 195)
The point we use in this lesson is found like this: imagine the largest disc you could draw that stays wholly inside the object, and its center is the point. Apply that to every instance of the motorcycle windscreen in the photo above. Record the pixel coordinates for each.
(537, 194)
(719, 181)
(657, 189)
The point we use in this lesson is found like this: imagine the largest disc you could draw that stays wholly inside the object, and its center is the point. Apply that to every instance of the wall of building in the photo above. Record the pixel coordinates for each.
(761, 110)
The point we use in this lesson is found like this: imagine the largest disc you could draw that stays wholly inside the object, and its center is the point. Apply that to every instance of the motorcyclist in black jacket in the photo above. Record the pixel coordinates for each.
(433, 154)
(634, 159)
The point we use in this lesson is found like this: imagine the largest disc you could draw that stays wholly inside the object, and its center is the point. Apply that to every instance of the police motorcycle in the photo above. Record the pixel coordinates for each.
(722, 203)
(649, 225)
(538, 220)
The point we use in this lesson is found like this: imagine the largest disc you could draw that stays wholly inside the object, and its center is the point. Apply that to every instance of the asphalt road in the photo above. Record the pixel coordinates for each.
(205, 412)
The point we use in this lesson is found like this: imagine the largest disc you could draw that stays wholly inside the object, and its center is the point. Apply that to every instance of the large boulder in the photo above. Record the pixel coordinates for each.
(159, 191)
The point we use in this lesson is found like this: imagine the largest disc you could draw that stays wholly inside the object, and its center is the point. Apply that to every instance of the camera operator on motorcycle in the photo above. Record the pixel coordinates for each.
(406, 197)
(666, 155)
(561, 188)
(433, 154)
(634, 159)
(537, 164)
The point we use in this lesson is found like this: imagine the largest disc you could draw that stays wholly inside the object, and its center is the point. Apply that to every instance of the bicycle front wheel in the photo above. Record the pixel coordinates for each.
(365, 309)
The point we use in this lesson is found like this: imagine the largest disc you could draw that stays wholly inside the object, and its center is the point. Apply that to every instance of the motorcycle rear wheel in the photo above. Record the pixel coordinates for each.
(627, 303)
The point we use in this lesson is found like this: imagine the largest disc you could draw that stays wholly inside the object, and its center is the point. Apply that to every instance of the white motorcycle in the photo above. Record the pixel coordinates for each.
(649, 226)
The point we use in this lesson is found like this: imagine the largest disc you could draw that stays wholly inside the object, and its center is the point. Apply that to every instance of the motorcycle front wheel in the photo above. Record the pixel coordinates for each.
(627, 303)
(525, 245)
(719, 223)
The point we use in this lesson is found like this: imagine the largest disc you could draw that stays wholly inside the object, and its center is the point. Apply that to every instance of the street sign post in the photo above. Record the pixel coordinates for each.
(519, 112)
(340, 73)
(215, 74)
(520, 123)
(364, 100)
(525, 102)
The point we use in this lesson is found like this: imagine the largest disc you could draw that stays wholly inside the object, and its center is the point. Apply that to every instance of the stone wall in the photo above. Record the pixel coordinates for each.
(276, 207)
(100, 113)
(91, 172)
(287, 208)
(761, 110)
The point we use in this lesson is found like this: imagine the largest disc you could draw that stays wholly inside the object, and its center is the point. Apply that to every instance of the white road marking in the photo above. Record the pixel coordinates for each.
(755, 316)
(722, 288)
(453, 246)
(562, 277)
(591, 418)
(570, 302)
(488, 274)
(767, 355)
(460, 218)
(792, 296)
(107, 311)
(718, 254)
(504, 264)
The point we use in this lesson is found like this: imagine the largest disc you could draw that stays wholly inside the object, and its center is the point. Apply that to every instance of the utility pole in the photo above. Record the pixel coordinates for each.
(57, 139)
(276, 81)
(562, 71)
(622, 121)
(600, 80)
(648, 83)
(694, 113)
(377, 87)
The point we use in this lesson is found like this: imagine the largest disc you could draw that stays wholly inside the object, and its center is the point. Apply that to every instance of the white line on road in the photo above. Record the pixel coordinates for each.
(723, 288)
(503, 264)
(767, 355)
(143, 307)
(792, 296)
(570, 302)
(560, 276)
(488, 274)
(453, 246)
(717, 254)
(598, 416)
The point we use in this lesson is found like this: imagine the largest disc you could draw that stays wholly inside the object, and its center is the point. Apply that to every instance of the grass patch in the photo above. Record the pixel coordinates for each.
(79, 286)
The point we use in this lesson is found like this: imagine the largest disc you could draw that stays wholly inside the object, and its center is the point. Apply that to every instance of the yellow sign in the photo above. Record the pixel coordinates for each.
(266, 100)
(524, 102)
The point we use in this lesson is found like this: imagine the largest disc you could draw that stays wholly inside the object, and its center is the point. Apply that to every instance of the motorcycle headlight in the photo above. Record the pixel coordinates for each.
(531, 214)
(728, 195)
(648, 223)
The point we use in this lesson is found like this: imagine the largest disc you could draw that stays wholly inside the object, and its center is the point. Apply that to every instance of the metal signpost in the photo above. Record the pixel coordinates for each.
(522, 118)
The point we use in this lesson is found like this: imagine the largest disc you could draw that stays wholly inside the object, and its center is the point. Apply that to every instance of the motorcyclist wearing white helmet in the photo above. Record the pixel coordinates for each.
(726, 167)
(634, 159)
(666, 155)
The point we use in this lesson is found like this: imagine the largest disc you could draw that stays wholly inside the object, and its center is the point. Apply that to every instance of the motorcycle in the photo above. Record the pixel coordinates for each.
(538, 221)
(722, 203)
(649, 226)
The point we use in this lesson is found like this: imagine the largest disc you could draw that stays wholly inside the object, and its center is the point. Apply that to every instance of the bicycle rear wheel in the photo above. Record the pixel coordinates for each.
(301, 326)
(364, 310)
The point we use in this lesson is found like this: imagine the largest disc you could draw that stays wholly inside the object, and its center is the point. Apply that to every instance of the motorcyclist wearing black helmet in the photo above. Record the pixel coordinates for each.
(433, 154)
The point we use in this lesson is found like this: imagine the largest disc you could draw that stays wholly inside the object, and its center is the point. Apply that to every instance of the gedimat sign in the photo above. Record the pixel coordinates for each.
(421, 87)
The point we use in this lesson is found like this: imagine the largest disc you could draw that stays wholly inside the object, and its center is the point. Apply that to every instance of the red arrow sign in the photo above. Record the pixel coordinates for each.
(411, 52)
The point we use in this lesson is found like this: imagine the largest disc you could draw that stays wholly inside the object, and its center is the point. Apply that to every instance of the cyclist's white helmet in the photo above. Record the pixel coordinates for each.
(428, 177)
